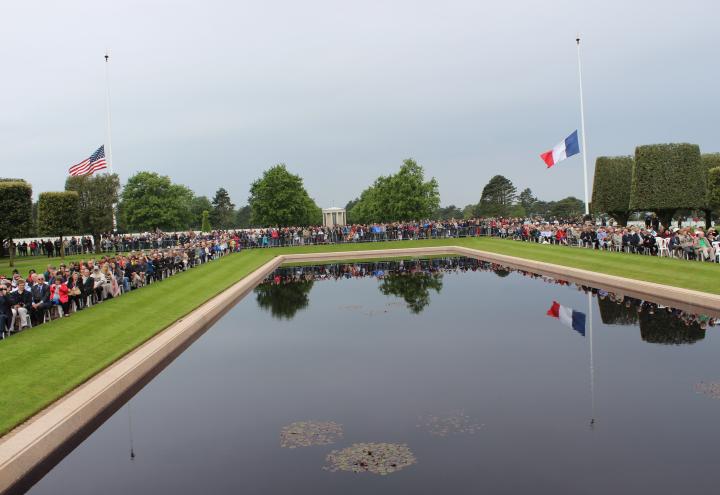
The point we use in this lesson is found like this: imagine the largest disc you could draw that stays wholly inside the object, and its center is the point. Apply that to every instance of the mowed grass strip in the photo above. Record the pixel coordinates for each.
(44, 363)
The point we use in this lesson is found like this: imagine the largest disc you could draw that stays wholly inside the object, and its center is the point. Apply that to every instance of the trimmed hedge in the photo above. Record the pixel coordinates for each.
(611, 186)
(15, 209)
(668, 177)
(709, 162)
(58, 213)
(714, 188)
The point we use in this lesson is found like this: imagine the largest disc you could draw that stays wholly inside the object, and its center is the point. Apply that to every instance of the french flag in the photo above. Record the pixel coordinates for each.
(568, 317)
(564, 149)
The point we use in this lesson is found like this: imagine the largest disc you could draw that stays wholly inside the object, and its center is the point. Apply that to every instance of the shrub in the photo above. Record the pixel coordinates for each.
(611, 187)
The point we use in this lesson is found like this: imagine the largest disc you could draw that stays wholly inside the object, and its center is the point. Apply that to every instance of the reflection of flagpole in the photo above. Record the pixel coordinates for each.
(592, 365)
(130, 432)
(108, 144)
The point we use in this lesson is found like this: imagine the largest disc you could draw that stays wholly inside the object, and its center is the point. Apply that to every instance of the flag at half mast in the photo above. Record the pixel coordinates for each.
(564, 149)
(90, 165)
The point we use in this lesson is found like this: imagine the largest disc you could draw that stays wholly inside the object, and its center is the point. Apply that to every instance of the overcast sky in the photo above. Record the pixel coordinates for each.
(213, 92)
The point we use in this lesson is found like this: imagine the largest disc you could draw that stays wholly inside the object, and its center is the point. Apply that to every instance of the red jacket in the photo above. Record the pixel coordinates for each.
(63, 292)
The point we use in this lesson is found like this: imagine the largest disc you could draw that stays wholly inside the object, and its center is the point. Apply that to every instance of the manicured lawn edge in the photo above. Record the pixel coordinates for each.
(45, 363)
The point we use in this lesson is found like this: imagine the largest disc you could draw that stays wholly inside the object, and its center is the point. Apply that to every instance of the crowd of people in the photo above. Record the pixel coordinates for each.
(150, 257)
(33, 299)
(694, 243)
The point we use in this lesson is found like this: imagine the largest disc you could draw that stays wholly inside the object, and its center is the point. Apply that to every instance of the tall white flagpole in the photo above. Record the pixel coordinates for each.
(108, 144)
(582, 127)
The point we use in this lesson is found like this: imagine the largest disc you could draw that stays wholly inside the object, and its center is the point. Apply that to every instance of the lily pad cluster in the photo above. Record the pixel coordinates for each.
(308, 433)
(456, 423)
(711, 389)
(377, 458)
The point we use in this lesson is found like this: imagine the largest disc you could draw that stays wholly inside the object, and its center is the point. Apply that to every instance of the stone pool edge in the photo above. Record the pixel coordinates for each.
(32, 443)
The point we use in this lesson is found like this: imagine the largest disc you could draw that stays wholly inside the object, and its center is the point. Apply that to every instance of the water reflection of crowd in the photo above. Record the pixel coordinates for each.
(658, 323)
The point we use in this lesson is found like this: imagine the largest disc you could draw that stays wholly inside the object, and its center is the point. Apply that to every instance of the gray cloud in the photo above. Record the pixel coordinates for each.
(211, 93)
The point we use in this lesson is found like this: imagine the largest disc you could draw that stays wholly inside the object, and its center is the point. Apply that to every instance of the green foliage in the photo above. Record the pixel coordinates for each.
(668, 177)
(15, 209)
(243, 217)
(151, 201)
(611, 187)
(198, 205)
(662, 327)
(497, 198)
(469, 212)
(348, 210)
(613, 313)
(222, 214)
(279, 198)
(527, 200)
(97, 196)
(285, 299)
(570, 207)
(713, 198)
(448, 213)
(413, 288)
(710, 161)
(205, 227)
(403, 196)
(58, 214)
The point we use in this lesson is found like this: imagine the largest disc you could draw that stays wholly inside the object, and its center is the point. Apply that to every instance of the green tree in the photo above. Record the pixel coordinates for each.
(206, 222)
(348, 210)
(279, 198)
(151, 201)
(15, 212)
(222, 214)
(58, 215)
(284, 300)
(243, 217)
(447, 213)
(666, 178)
(497, 197)
(402, 196)
(198, 205)
(570, 207)
(469, 211)
(527, 200)
(413, 288)
(709, 162)
(98, 195)
(611, 187)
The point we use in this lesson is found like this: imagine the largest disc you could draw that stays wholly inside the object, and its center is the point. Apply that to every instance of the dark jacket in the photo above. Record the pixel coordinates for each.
(24, 299)
(41, 293)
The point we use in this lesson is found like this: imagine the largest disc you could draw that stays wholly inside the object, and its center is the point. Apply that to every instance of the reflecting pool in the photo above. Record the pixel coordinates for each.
(424, 377)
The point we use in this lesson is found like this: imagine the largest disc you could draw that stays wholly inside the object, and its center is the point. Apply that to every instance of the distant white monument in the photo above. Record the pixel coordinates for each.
(333, 217)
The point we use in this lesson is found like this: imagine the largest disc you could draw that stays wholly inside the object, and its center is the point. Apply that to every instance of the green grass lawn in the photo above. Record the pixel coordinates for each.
(42, 364)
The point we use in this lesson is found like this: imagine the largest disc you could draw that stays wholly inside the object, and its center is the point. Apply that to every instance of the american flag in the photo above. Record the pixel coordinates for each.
(90, 165)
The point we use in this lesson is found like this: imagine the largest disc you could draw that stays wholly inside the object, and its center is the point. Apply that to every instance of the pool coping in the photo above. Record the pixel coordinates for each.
(33, 447)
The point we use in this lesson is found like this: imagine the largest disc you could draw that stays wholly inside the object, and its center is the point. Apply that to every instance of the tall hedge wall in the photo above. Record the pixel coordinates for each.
(668, 177)
(15, 209)
(58, 213)
(611, 186)
(714, 189)
(709, 161)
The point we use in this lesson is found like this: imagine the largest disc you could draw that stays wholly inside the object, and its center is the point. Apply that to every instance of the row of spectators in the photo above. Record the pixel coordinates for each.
(31, 300)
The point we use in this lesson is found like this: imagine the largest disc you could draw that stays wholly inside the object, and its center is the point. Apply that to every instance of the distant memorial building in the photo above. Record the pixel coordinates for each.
(333, 217)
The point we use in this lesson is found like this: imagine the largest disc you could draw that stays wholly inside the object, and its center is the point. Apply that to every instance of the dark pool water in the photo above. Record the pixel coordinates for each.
(458, 378)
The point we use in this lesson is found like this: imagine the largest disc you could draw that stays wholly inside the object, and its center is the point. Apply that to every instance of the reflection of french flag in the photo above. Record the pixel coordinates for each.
(564, 149)
(568, 316)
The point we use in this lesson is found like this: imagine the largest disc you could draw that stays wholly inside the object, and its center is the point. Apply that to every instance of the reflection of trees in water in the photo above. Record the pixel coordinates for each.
(501, 272)
(613, 313)
(413, 288)
(663, 327)
(284, 299)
